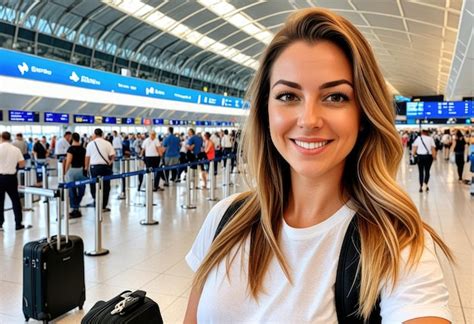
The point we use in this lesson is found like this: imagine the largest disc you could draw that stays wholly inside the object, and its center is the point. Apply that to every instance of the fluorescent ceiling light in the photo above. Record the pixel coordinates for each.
(138, 9)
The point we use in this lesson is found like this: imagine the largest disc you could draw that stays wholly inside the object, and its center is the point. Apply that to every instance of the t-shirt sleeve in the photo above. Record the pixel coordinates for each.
(204, 239)
(19, 155)
(88, 149)
(419, 292)
(417, 142)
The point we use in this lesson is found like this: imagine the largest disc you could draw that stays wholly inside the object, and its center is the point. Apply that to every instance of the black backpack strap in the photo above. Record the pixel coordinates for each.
(228, 215)
(347, 286)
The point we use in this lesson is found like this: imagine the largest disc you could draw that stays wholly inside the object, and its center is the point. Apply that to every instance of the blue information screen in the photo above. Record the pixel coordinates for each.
(128, 121)
(109, 120)
(25, 66)
(83, 119)
(438, 110)
(50, 117)
(158, 121)
(23, 116)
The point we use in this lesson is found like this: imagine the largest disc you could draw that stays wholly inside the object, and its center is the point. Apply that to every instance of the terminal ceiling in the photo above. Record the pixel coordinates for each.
(424, 46)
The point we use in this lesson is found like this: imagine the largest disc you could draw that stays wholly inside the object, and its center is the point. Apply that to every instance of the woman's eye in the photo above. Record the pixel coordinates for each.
(286, 97)
(337, 98)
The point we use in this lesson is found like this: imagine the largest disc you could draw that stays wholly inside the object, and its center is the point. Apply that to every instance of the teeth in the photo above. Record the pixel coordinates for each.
(311, 145)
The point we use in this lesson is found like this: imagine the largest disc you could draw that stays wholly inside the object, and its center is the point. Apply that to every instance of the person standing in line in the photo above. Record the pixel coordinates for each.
(40, 153)
(22, 145)
(424, 147)
(74, 170)
(63, 145)
(137, 148)
(117, 144)
(11, 158)
(446, 139)
(52, 147)
(215, 138)
(210, 152)
(171, 157)
(183, 156)
(459, 149)
(226, 145)
(150, 150)
(100, 156)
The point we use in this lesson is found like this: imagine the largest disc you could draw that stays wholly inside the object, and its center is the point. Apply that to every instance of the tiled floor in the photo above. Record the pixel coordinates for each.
(152, 257)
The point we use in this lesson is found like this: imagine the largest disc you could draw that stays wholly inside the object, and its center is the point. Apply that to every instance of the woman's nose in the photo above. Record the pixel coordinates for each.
(310, 115)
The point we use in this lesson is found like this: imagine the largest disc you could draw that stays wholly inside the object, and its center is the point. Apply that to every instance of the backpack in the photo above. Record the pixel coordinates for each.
(347, 278)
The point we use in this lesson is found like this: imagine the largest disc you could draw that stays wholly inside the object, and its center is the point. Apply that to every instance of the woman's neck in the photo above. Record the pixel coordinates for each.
(312, 201)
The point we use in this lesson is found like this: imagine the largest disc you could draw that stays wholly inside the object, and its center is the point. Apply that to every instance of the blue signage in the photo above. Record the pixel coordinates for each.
(83, 119)
(1, 115)
(158, 121)
(23, 116)
(50, 117)
(439, 110)
(109, 120)
(128, 121)
(25, 66)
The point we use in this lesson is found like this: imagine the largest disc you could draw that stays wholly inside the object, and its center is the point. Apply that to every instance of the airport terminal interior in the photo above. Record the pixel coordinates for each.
(136, 68)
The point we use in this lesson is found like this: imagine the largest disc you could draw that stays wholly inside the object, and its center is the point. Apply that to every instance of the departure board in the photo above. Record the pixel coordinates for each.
(128, 121)
(158, 121)
(83, 119)
(50, 117)
(23, 116)
(445, 109)
(109, 120)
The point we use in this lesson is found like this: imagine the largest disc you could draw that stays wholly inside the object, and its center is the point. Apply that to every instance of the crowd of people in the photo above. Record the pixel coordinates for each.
(425, 146)
(94, 155)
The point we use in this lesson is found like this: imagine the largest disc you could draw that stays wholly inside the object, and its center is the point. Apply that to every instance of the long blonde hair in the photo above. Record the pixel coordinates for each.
(388, 220)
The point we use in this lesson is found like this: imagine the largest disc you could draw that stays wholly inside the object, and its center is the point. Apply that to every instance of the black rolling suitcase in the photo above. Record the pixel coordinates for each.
(53, 276)
(126, 308)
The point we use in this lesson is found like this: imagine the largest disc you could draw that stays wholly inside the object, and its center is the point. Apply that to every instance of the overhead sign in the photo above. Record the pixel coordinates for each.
(158, 121)
(20, 65)
(50, 117)
(109, 120)
(23, 116)
(83, 119)
(439, 110)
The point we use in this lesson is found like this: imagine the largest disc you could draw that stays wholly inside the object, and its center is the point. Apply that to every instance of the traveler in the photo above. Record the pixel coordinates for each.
(193, 145)
(226, 145)
(100, 156)
(210, 155)
(150, 150)
(40, 153)
(11, 158)
(446, 139)
(63, 145)
(322, 154)
(74, 170)
(22, 145)
(459, 150)
(171, 157)
(215, 138)
(424, 148)
(117, 144)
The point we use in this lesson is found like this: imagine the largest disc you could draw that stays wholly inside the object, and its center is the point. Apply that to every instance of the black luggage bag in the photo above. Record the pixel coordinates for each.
(53, 275)
(126, 308)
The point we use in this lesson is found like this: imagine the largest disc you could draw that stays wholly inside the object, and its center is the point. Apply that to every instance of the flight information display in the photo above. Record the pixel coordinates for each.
(158, 121)
(23, 116)
(83, 119)
(128, 121)
(438, 110)
(109, 120)
(50, 117)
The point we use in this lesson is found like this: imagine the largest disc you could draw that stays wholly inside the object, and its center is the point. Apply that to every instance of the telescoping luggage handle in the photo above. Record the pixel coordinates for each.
(58, 195)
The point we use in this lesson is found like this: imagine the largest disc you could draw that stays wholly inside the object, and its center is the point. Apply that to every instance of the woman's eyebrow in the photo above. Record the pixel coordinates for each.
(326, 85)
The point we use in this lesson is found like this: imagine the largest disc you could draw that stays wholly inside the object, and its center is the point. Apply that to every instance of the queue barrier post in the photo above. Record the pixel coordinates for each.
(122, 180)
(44, 172)
(134, 167)
(60, 170)
(149, 200)
(98, 249)
(28, 197)
(227, 178)
(187, 197)
(127, 182)
(212, 182)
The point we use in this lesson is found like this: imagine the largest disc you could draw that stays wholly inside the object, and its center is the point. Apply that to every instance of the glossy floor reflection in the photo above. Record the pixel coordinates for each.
(152, 257)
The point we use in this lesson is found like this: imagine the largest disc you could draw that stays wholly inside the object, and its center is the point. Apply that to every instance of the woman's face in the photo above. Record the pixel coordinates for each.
(314, 119)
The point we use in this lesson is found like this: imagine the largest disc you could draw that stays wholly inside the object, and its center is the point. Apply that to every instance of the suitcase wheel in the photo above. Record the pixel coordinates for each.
(27, 318)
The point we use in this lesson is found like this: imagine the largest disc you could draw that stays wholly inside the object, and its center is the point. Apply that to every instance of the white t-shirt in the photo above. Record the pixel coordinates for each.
(429, 143)
(150, 146)
(117, 142)
(312, 254)
(105, 149)
(61, 147)
(446, 139)
(226, 141)
(11, 155)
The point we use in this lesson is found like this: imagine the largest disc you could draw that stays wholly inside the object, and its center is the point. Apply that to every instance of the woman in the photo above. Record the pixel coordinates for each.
(459, 151)
(424, 148)
(320, 146)
(210, 152)
(74, 170)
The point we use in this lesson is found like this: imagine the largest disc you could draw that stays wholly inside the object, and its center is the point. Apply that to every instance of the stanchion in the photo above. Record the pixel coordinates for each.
(44, 173)
(212, 182)
(99, 250)
(134, 167)
(227, 178)
(28, 197)
(149, 201)
(187, 198)
(121, 196)
(60, 170)
(127, 182)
